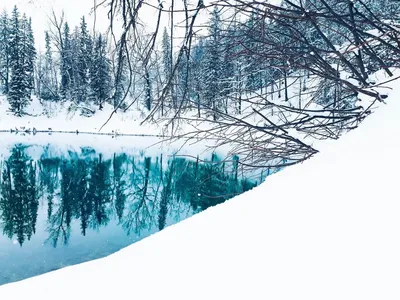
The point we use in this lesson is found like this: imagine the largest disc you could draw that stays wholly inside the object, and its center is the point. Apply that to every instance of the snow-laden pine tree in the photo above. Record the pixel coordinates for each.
(239, 63)
(4, 52)
(31, 53)
(77, 89)
(167, 62)
(47, 79)
(197, 78)
(100, 72)
(228, 69)
(28, 54)
(66, 66)
(83, 44)
(252, 67)
(18, 96)
(182, 79)
(166, 54)
(213, 63)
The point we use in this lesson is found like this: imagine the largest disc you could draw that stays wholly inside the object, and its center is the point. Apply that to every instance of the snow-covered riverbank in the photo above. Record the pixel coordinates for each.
(58, 117)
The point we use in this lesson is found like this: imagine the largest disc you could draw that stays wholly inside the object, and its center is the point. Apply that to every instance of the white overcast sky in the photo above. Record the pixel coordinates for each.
(39, 10)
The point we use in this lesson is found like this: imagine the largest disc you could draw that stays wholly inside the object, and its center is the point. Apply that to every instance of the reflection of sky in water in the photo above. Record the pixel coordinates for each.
(98, 204)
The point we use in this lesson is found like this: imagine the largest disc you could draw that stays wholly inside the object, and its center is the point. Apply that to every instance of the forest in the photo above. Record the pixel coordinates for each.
(263, 77)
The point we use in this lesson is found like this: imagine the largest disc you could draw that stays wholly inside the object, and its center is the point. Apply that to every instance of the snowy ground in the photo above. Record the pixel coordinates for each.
(325, 229)
(58, 117)
(116, 136)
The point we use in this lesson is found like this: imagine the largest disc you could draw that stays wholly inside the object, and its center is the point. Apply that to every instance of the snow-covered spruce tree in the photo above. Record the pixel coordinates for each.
(47, 82)
(166, 54)
(66, 66)
(30, 54)
(252, 66)
(167, 65)
(100, 72)
(76, 82)
(182, 80)
(83, 44)
(197, 75)
(168, 70)
(228, 78)
(4, 52)
(213, 64)
(239, 63)
(20, 81)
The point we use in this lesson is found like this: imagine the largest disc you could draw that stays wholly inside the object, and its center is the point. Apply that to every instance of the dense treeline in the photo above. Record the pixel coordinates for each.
(243, 51)
(75, 65)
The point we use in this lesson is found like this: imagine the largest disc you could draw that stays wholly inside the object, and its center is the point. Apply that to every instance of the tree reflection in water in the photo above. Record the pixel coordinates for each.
(18, 200)
(139, 192)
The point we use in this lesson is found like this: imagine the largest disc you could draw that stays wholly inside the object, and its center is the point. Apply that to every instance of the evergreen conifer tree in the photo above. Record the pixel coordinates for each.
(213, 64)
(66, 63)
(18, 93)
(197, 78)
(100, 76)
(166, 54)
(252, 65)
(30, 54)
(4, 51)
(83, 61)
(48, 89)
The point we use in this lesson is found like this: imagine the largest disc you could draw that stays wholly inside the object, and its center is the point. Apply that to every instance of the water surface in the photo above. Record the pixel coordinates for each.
(59, 208)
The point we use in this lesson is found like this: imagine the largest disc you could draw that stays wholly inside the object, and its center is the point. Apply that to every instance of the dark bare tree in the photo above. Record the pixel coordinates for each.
(300, 70)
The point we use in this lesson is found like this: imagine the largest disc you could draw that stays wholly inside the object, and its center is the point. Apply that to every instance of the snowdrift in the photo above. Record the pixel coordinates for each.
(325, 229)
